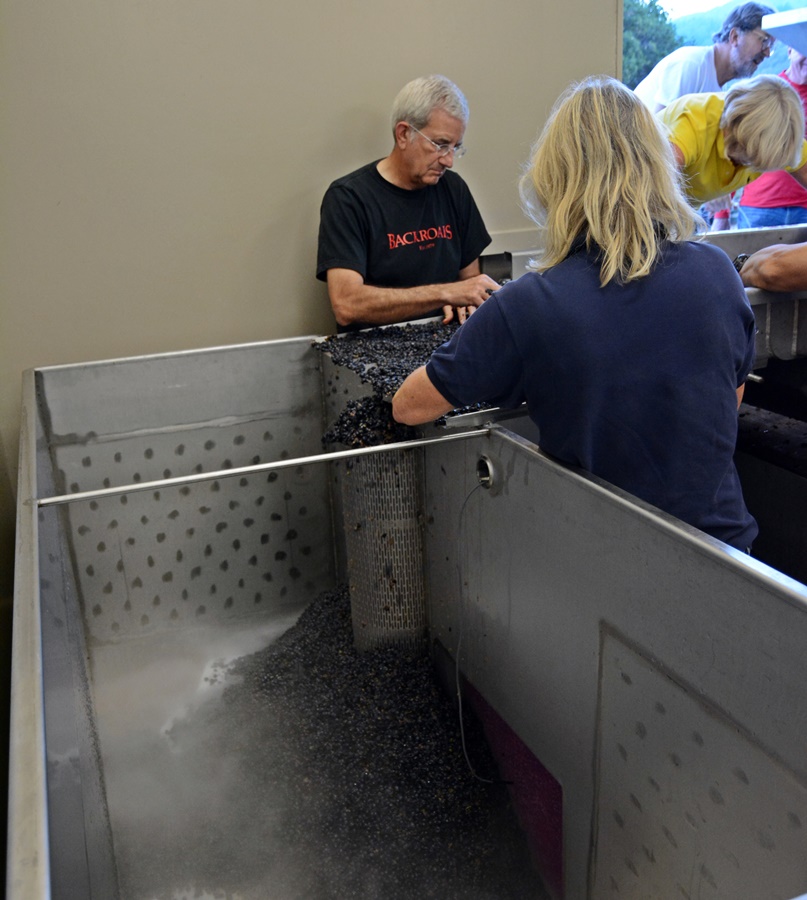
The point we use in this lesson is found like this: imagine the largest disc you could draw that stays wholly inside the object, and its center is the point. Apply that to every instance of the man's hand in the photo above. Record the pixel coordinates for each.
(471, 292)
(461, 312)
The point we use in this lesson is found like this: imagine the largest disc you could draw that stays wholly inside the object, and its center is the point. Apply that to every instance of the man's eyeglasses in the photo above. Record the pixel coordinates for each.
(442, 149)
(765, 40)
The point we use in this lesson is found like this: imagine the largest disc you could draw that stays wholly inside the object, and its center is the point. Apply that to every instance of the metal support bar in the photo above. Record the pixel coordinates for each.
(247, 470)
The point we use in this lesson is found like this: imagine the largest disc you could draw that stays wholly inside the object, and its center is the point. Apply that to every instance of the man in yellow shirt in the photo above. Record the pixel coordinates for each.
(723, 142)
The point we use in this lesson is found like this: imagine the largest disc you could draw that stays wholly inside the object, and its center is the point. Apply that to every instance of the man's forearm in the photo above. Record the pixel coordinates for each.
(354, 302)
(780, 267)
(384, 306)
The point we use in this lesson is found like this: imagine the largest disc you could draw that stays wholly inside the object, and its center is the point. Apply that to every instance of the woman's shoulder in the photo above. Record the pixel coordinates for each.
(699, 251)
(578, 273)
(701, 263)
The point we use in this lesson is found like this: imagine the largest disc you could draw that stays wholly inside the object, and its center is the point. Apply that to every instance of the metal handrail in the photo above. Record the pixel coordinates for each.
(247, 470)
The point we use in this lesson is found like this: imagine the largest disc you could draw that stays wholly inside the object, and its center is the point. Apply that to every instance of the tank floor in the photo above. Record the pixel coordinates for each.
(273, 761)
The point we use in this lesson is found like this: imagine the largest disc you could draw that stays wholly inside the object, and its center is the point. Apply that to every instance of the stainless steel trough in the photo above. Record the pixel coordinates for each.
(646, 676)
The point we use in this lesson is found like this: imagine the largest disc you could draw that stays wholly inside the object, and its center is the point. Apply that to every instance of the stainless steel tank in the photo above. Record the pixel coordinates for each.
(642, 684)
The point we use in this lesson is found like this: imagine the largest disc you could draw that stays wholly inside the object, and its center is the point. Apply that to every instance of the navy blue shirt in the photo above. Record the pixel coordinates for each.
(634, 382)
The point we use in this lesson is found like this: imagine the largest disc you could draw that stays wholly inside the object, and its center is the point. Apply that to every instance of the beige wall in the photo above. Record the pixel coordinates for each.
(164, 160)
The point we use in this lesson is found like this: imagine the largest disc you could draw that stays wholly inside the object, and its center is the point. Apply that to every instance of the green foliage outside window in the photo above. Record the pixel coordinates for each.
(647, 36)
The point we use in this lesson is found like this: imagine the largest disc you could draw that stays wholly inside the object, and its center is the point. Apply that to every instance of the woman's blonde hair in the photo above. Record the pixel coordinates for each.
(763, 123)
(603, 169)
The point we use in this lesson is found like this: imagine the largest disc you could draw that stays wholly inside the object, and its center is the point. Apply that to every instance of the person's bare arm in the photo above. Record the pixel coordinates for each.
(740, 393)
(354, 301)
(780, 267)
(417, 400)
(720, 208)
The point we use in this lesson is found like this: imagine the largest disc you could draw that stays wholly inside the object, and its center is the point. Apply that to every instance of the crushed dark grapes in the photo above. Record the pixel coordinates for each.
(382, 358)
(370, 756)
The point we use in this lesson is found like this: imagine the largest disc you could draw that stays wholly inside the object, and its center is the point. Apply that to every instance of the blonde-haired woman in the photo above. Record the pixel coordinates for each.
(722, 142)
(630, 344)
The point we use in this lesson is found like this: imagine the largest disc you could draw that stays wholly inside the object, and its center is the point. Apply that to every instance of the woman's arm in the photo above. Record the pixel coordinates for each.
(417, 400)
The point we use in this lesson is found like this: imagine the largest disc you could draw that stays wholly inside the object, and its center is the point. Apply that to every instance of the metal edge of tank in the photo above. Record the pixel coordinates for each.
(28, 858)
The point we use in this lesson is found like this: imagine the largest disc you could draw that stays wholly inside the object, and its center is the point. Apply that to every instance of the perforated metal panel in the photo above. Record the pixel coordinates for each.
(377, 514)
(688, 805)
(208, 550)
(381, 507)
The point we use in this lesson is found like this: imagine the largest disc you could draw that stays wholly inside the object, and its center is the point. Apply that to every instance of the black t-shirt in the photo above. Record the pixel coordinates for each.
(395, 237)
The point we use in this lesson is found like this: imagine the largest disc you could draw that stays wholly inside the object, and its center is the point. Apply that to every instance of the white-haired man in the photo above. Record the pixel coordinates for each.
(737, 50)
(400, 238)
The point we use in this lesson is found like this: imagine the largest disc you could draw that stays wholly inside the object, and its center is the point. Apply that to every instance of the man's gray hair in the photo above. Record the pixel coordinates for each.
(417, 100)
(747, 17)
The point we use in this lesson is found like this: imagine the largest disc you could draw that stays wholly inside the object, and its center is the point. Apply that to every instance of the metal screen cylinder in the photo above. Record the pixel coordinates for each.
(381, 514)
